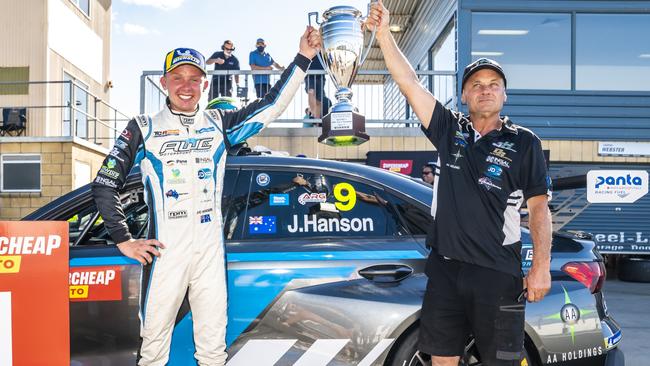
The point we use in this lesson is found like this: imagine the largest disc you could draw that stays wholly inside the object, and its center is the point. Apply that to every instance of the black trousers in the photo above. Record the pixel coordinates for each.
(463, 299)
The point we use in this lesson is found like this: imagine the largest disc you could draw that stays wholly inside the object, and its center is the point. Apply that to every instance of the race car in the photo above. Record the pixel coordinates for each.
(325, 267)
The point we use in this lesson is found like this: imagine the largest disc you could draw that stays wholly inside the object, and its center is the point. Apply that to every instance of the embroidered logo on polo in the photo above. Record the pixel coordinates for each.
(505, 145)
(498, 161)
(494, 171)
(455, 156)
(487, 183)
(459, 139)
(498, 152)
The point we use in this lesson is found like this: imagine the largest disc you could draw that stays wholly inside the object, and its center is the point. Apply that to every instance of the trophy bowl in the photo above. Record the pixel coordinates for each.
(342, 53)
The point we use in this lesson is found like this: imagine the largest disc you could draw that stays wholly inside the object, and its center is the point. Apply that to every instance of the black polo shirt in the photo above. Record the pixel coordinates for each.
(480, 187)
(231, 63)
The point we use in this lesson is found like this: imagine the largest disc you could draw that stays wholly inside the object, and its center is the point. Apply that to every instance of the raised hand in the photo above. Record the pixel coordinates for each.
(310, 42)
(379, 18)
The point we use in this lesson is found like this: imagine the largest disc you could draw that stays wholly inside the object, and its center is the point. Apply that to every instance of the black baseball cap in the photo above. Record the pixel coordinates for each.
(480, 64)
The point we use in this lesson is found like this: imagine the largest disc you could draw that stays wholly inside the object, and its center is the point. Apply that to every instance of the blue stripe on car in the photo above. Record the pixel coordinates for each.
(331, 256)
(270, 256)
(102, 261)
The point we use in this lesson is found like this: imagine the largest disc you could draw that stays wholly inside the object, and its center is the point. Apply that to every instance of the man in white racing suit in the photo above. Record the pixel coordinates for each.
(182, 154)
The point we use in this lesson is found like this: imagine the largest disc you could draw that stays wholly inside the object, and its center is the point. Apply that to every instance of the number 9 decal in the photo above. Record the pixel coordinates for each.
(347, 200)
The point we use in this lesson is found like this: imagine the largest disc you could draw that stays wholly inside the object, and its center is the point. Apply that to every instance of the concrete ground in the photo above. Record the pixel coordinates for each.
(629, 305)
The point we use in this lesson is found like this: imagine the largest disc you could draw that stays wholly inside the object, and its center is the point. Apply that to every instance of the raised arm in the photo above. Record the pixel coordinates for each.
(420, 99)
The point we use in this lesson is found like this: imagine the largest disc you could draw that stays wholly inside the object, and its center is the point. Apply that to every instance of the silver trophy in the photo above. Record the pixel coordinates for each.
(342, 53)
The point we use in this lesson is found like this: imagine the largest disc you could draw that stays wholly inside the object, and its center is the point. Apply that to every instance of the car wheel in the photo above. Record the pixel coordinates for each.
(634, 269)
(406, 354)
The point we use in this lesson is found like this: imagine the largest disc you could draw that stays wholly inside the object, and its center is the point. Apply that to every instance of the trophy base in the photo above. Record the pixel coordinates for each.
(343, 129)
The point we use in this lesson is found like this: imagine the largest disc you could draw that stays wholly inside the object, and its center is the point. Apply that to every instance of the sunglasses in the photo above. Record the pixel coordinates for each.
(229, 49)
(426, 173)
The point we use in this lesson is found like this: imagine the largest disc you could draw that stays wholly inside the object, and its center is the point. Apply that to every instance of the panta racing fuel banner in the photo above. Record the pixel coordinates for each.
(34, 315)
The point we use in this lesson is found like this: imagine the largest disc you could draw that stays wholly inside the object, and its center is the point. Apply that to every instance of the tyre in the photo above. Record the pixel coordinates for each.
(406, 354)
(634, 269)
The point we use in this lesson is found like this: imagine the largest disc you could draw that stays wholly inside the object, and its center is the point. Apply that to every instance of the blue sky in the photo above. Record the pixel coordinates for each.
(144, 30)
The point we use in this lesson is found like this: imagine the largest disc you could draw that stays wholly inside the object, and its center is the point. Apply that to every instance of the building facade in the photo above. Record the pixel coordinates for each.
(55, 82)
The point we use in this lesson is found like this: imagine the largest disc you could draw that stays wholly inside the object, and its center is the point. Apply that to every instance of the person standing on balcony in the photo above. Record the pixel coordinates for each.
(221, 85)
(319, 104)
(262, 60)
(488, 168)
(180, 151)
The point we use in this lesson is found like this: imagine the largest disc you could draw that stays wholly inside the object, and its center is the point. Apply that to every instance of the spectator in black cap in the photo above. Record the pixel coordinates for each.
(223, 60)
(488, 168)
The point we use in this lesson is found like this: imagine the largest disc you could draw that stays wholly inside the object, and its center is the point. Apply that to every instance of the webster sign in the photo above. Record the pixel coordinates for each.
(616, 186)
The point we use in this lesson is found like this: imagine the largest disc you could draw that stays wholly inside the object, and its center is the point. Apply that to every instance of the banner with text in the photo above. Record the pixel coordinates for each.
(34, 315)
(616, 186)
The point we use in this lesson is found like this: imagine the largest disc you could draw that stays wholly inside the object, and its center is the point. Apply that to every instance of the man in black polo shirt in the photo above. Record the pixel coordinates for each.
(488, 168)
(223, 60)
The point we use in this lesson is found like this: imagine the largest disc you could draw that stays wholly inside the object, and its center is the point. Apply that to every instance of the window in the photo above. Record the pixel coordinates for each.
(292, 205)
(417, 219)
(20, 173)
(80, 91)
(443, 58)
(534, 49)
(14, 74)
(137, 220)
(613, 57)
(443, 52)
(83, 5)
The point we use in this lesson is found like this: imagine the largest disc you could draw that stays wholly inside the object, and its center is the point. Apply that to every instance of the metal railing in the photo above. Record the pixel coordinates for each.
(375, 95)
(89, 117)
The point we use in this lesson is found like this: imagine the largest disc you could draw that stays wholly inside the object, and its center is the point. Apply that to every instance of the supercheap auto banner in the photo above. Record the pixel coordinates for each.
(34, 315)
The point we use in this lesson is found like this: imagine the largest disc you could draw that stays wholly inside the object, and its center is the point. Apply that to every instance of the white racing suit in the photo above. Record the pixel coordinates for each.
(182, 159)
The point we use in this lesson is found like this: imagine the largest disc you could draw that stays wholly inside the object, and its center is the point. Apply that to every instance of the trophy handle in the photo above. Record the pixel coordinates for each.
(320, 56)
(309, 15)
(372, 38)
